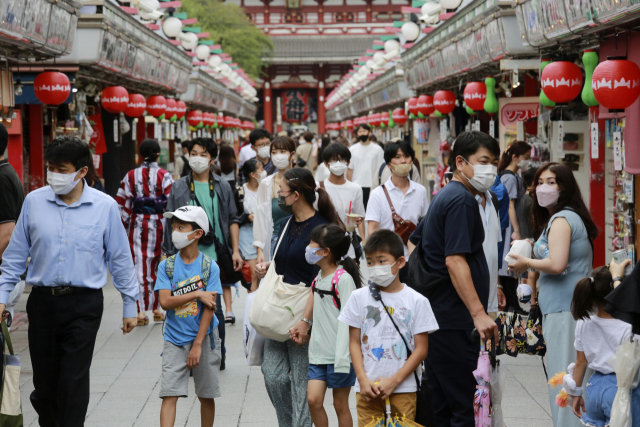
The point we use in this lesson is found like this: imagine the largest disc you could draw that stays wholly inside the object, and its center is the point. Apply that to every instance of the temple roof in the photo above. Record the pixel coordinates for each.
(314, 49)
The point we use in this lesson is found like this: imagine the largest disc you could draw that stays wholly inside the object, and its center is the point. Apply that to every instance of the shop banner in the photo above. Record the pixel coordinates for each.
(97, 141)
(594, 140)
(617, 151)
(422, 130)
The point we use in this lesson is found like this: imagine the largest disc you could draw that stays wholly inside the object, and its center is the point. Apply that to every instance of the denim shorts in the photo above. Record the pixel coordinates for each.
(325, 373)
(601, 390)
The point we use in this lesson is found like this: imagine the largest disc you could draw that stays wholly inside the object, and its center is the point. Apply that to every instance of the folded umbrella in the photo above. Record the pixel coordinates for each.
(481, 399)
(625, 364)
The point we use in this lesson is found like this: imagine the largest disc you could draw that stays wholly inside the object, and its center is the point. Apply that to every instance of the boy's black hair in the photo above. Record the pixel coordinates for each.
(363, 126)
(150, 150)
(308, 136)
(68, 149)
(335, 151)
(391, 150)
(208, 144)
(186, 144)
(528, 176)
(194, 225)
(4, 139)
(257, 134)
(383, 240)
(468, 143)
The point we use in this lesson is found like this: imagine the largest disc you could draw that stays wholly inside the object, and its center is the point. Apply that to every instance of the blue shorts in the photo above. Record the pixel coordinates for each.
(600, 391)
(325, 373)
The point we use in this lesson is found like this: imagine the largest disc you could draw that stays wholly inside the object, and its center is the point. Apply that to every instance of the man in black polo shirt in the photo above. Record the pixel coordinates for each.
(11, 194)
(451, 236)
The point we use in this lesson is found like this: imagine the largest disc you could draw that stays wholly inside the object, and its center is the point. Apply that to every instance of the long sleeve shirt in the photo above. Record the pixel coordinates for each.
(70, 246)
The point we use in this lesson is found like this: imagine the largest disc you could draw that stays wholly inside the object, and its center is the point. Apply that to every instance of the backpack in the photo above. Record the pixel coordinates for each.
(206, 268)
(334, 288)
(382, 170)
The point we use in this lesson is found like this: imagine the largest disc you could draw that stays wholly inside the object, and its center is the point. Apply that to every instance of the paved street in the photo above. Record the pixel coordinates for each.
(125, 380)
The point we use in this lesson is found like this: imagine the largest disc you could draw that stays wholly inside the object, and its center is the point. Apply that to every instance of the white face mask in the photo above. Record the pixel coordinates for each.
(62, 183)
(483, 176)
(181, 240)
(263, 152)
(524, 164)
(262, 176)
(280, 161)
(381, 275)
(199, 164)
(338, 168)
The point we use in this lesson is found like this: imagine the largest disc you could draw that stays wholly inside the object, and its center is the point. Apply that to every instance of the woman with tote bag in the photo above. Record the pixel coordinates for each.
(286, 364)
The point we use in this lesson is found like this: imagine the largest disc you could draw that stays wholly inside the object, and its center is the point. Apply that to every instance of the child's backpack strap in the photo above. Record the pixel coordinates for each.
(334, 288)
(206, 269)
(169, 266)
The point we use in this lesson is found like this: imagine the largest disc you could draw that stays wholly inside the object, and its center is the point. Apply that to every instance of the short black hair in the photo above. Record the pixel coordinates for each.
(383, 240)
(528, 176)
(335, 151)
(194, 225)
(4, 139)
(150, 150)
(257, 134)
(308, 136)
(391, 150)
(364, 126)
(186, 144)
(468, 144)
(70, 149)
(208, 144)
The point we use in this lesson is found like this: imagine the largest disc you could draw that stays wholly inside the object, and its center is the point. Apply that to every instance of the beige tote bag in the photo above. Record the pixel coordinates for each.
(278, 306)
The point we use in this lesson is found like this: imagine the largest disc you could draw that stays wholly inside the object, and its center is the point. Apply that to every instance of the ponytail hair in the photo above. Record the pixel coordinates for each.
(334, 238)
(248, 168)
(517, 148)
(590, 291)
(301, 180)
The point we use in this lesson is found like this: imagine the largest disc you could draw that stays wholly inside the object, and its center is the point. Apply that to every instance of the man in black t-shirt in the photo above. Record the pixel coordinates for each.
(11, 194)
(451, 236)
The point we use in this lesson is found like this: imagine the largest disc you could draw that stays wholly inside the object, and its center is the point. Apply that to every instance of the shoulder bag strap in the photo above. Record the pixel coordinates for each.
(7, 337)
(396, 218)
(206, 269)
(273, 256)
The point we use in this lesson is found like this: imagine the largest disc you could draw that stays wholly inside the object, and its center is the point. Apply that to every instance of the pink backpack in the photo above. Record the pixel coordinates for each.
(334, 287)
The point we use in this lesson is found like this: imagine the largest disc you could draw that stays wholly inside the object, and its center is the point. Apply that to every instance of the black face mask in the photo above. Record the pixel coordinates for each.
(282, 204)
(363, 138)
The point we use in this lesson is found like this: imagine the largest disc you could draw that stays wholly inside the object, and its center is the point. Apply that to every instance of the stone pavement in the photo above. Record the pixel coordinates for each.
(125, 379)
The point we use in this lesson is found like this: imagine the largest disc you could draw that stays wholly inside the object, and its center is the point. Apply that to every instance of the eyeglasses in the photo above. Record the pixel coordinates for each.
(263, 145)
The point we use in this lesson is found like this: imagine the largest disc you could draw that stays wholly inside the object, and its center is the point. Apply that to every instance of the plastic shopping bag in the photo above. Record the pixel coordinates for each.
(253, 342)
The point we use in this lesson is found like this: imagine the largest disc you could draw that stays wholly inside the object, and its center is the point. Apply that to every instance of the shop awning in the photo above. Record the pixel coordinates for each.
(204, 92)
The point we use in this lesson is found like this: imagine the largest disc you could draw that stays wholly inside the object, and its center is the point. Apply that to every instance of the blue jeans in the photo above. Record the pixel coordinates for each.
(600, 392)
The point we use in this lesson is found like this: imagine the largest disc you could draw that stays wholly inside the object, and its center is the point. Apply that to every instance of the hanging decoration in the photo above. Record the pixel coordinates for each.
(136, 105)
(52, 87)
(115, 99)
(194, 118)
(590, 61)
(544, 100)
(348, 124)
(616, 84)
(399, 116)
(391, 124)
(475, 93)
(410, 31)
(295, 106)
(181, 109)
(156, 105)
(491, 102)
(172, 109)
(444, 101)
(412, 105)
(425, 106)
(561, 81)
(470, 111)
(384, 119)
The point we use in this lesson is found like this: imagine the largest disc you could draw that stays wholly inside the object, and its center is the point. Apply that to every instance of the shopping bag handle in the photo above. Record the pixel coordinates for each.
(7, 337)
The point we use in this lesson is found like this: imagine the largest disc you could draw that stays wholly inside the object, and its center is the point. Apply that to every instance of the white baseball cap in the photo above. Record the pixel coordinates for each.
(191, 214)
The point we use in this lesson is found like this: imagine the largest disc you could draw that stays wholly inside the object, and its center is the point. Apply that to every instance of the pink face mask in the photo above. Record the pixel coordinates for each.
(547, 195)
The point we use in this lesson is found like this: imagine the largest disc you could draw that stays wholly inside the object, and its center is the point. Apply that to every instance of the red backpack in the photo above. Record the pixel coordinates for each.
(334, 287)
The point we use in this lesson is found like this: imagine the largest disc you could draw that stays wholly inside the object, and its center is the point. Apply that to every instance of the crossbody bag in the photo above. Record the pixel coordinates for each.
(402, 227)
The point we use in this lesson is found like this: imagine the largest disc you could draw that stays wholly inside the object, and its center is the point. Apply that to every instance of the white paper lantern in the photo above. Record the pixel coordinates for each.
(225, 70)
(410, 31)
(371, 65)
(203, 52)
(378, 58)
(172, 26)
(450, 4)
(189, 41)
(364, 71)
(391, 46)
(215, 61)
(431, 8)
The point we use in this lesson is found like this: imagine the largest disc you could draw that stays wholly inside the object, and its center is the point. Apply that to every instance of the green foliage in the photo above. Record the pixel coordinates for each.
(229, 26)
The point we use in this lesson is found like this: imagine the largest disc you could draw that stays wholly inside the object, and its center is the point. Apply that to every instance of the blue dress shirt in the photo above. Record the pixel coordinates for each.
(70, 246)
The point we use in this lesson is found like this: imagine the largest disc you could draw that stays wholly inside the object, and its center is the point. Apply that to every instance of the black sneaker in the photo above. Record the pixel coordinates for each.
(222, 366)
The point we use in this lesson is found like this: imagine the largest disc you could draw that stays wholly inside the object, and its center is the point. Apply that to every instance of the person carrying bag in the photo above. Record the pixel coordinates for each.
(401, 227)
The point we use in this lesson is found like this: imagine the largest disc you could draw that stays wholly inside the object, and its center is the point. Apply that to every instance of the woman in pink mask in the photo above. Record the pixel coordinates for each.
(563, 254)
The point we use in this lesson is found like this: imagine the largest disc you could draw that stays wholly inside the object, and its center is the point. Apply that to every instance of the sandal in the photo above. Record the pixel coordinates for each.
(159, 317)
(142, 322)
(230, 318)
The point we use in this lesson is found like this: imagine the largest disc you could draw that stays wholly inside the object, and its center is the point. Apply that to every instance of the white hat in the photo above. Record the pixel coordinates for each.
(191, 214)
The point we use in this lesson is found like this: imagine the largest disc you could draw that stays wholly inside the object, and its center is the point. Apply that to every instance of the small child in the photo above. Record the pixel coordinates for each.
(187, 285)
(329, 362)
(389, 325)
(598, 335)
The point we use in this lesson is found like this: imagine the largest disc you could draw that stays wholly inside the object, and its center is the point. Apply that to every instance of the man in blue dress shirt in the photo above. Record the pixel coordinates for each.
(71, 232)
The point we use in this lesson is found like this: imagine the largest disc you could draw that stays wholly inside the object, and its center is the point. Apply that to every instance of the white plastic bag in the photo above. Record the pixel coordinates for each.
(625, 365)
(253, 342)
(498, 378)
(519, 247)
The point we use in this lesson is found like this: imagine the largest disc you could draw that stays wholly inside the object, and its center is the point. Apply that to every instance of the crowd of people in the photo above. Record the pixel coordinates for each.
(309, 213)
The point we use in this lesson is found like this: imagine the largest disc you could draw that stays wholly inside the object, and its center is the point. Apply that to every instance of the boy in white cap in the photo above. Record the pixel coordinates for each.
(187, 284)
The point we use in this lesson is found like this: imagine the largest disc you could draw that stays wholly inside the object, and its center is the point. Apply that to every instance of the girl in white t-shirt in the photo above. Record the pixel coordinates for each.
(253, 171)
(598, 336)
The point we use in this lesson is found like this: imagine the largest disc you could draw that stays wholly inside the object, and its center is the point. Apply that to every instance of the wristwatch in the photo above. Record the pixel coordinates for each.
(307, 321)
(617, 279)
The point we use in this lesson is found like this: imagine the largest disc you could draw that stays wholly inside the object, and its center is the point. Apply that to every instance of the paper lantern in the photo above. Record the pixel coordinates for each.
(156, 105)
(384, 119)
(215, 61)
(399, 116)
(444, 101)
(207, 120)
(52, 87)
(412, 105)
(561, 81)
(470, 111)
(491, 103)
(181, 109)
(410, 31)
(377, 119)
(590, 61)
(136, 105)
(616, 84)
(172, 109)
(221, 121)
(172, 27)
(203, 52)
(391, 46)
(194, 117)
(475, 94)
(348, 124)
(391, 122)
(370, 120)
(189, 41)
(450, 4)
(342, 125)
(115, 99)
(425, 106)
(544, 100)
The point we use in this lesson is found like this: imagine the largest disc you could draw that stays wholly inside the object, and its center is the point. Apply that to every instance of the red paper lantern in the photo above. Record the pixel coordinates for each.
(562, 81)
(181, 109)
(342, 124)
(247, 125)
(156, 105)
(384, 118)
(425, 105)
(172, 108)
(115, 99)
(413, 106)
(349, 124)
(370, 120)
(194, 117)
(52, 87)
(399, 116)
(136, 105)
(474, 95)
(220, 121)
(616, 84)
(444, 101)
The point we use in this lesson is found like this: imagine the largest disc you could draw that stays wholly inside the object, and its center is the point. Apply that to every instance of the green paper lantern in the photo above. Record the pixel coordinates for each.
(215, 125)
(491, 102)
(411, 116)
(590, 60)
(421, 116)
(173, 118)
(470, 111)
(382, 125)
(392, 124)
(543, 98)
(161, 118)
(439, 114)
(200, 125)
